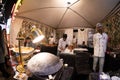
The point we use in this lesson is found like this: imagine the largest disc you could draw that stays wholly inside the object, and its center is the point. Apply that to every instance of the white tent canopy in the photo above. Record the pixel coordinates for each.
(65, 14)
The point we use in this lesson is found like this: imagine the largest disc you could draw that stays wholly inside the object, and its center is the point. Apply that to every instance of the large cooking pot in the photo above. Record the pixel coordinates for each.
(44, 64)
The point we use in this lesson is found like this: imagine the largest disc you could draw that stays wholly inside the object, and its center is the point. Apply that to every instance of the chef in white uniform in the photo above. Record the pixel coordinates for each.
(51, 40)
(62, 43)
(74, 41)
(100, 43)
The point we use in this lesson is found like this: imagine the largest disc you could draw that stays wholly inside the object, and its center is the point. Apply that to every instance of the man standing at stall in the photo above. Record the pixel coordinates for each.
(62, 43)
(100, 43)
(28, 42)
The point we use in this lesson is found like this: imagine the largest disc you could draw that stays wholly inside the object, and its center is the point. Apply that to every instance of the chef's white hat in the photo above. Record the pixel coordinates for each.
(99, 25)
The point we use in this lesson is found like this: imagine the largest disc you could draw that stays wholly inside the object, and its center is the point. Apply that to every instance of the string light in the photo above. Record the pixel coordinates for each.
(15, 9)
(2, 18)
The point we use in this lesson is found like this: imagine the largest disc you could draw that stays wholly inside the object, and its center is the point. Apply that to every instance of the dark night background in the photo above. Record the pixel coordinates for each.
(8, 7)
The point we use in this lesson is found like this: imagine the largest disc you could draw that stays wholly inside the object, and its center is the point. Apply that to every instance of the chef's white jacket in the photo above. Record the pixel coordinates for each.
(100, 44)
(62, 44)
(51, 40)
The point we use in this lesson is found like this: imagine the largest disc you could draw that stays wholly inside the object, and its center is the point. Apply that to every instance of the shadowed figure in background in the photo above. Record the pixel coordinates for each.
(7, 54)
(28, 42)
(2, 56)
